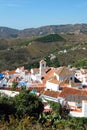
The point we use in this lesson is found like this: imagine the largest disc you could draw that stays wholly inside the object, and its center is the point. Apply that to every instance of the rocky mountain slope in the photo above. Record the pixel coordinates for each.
(44, 30)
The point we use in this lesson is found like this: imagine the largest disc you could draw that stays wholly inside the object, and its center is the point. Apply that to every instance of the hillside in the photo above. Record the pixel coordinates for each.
(6, 32)
(56, 49)
(44, 30)
(50, 38)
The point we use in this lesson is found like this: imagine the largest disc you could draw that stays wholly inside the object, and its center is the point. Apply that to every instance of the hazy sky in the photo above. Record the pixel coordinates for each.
(22, 14)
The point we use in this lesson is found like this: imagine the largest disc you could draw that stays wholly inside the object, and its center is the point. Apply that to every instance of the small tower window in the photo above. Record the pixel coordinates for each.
(42, 65)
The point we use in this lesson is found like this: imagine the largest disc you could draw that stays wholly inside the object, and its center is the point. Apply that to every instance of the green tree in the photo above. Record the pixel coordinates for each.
(6, 106)
(14, 85)
(28, 104)
(56, 106)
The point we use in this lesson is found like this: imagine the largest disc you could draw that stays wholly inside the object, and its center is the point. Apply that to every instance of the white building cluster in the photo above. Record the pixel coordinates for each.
(60, 84)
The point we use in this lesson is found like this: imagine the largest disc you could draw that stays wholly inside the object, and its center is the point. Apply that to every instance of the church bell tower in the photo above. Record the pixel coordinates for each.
(42, 67)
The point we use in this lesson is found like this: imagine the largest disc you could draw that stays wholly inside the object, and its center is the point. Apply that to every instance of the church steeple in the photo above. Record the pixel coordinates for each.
(42, 67)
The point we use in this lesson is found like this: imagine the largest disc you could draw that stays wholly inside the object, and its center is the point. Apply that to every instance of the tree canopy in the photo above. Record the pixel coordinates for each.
(24, 104)
(28, 104)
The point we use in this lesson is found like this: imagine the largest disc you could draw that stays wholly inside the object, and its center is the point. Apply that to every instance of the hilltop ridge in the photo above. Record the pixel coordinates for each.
(6, 32)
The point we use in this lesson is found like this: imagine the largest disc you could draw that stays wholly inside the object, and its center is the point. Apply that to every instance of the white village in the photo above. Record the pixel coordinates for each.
(65, 85)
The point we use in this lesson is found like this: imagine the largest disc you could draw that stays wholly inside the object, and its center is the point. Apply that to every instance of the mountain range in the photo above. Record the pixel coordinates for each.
(6, 32)
(67, 44)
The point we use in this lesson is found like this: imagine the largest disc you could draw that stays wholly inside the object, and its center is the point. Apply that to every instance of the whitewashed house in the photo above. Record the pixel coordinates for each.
(35, 75)
(53, 84)
(20, 72)
(3, 82)
(63, 72)
(59, 76)
(75, 97)
(82, 75)
(50, 95)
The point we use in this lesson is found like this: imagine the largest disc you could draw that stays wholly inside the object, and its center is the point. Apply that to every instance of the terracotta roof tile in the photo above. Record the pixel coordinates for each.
(54, 94)
(48, 75)
(64, 71)
(67, 82)
(67, 91)
(11, 72)
(5, 72)
(54, 80)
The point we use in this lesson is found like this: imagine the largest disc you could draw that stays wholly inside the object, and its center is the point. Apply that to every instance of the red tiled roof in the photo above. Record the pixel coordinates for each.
(12, 72)
(67, 91)
(5, 72)
(54, 80)
(64, 71)
(54, 94)
(48, 75)
(38, 89)
(67, 82)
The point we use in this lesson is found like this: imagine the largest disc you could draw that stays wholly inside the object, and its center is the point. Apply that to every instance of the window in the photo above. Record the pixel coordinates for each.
(42, 65)
(71, 78)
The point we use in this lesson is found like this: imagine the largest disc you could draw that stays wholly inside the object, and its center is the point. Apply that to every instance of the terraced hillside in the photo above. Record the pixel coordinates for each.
(56, 49)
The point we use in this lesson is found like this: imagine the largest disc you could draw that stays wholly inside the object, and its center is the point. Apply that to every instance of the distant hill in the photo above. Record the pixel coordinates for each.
(58, 44)
(6, 32)
(56, 49)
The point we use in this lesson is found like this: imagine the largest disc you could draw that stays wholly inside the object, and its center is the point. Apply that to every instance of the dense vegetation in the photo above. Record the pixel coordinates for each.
(25, 112)
(23, 104)
(29, 51)
(50, 38)
(81, 63)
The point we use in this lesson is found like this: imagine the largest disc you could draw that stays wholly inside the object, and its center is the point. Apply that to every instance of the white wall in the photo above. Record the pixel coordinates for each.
(9, 93)
(36, 77)
(3, 82)
(75, 114)
(63, 77)
(72, 103)
(42, 67)
(84, 108)
(52, 86)
(44, 97)
(27, 77)
(79, 114)
(22, 74)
